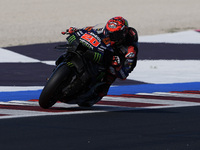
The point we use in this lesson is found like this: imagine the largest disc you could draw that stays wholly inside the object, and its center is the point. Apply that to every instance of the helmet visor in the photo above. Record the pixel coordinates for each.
(116, 36)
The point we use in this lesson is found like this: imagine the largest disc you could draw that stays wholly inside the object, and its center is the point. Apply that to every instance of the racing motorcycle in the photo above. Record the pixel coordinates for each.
(74, 67)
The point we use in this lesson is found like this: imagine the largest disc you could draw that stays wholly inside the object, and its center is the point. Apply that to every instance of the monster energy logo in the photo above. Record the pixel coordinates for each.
(97, 57)
(70, 64)
(71, 39)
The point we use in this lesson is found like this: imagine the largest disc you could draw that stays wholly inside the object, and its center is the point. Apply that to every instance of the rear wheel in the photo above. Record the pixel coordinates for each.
(52, 91)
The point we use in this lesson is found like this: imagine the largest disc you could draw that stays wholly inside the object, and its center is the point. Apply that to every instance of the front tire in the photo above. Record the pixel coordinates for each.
(52, 91)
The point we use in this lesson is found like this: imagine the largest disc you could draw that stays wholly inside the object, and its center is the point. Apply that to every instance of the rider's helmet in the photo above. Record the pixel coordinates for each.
(116, 28)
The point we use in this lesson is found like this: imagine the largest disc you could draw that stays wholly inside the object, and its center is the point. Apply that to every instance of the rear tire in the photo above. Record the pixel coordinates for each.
(52, 91)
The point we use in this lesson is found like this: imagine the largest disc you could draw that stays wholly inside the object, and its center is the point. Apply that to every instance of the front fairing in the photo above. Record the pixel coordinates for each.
(91, 37)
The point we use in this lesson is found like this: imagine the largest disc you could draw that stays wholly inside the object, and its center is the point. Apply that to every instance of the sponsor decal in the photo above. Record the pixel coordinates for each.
(90, 39)
(71, 39)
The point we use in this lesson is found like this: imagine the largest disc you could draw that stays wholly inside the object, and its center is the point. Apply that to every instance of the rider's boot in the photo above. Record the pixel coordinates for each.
(103, 89)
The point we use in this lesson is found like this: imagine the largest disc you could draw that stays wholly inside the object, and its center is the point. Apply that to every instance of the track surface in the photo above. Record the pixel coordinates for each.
(156, 129)
(166, 120)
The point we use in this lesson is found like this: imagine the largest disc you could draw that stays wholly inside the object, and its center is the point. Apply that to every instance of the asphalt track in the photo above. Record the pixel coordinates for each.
(159, 129)
(139, 129)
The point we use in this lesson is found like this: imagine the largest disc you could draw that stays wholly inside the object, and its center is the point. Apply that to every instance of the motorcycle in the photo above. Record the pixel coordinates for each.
(76, 78)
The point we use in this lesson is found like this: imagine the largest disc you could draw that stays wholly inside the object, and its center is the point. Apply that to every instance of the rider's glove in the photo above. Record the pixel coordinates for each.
(131, 53)
(130, 56)
(71, 30)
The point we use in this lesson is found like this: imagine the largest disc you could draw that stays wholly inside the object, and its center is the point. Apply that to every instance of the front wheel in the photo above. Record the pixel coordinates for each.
(52, 91)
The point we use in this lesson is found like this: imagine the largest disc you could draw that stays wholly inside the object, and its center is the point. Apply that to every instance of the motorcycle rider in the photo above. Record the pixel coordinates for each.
(124, 41)
(122, 60)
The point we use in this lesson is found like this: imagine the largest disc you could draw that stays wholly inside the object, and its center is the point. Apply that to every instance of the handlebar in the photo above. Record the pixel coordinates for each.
(67, 31)
(63, 33)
